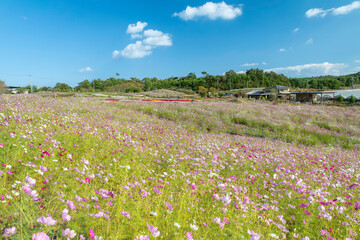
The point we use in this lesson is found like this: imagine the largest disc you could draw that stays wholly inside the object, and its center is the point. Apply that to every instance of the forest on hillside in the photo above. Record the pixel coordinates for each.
(253, 78)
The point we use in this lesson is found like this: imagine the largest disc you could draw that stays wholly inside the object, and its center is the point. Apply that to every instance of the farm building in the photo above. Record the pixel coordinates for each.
(274, 92)
(311, 96)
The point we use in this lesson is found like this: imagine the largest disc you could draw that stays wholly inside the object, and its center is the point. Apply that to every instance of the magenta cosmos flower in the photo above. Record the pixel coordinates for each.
(40, 236)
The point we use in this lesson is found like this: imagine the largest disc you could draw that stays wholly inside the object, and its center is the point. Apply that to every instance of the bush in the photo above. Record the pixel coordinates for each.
(340, 99)
(352, 100)
(203, 91)
(133, 90)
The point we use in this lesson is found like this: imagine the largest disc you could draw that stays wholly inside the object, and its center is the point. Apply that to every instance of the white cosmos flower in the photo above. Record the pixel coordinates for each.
(193, 227)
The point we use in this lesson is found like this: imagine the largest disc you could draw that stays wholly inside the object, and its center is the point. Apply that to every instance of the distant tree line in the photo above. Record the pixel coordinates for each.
(253, 78)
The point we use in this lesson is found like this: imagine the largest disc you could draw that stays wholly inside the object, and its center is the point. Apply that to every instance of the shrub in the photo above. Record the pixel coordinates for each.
(352, 100)
(133, 90)
(340, 99)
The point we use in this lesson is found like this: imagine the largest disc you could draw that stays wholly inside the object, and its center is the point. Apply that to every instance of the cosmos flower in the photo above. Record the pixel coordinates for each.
(69, 233)
(47, 221)
(65, 215)
(40, 236)
(30, 181)
(9, 232)
(71, 204)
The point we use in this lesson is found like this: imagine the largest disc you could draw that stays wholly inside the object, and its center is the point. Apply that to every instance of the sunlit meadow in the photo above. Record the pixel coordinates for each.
(81, 168)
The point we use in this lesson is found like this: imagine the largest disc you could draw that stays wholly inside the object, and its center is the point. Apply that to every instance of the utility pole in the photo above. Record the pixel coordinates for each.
(230, 82)
(30, 83)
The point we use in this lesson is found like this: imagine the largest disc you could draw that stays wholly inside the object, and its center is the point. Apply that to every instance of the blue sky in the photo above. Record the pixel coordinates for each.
(72, 40)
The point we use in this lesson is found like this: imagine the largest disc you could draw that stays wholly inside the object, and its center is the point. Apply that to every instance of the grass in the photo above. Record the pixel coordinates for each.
(224, 168)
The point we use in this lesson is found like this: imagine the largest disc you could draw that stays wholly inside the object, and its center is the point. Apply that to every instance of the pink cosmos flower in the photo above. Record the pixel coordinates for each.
(192, 185)
(142, 238)
(42, 168)
(254, 235)
(143, 193)
(34, 195)
(126, 214)
(9, 232)
(169, 206)
(47, 221)
(65, 215)
(27, 189)
(156, 190)
(30, 181)
(1, 145)
(189, 236)
(154, 230)
(40, 236)
(71, 204)
(68, 233)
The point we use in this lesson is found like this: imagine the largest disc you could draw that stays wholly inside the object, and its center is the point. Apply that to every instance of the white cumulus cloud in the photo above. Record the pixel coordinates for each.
(282, 49)
(136, 28)
(346, 9)
(249, 64)
(87, 69)
(312, 69)
(264, 63)
(150, 39)
(134, 50)
(212, 11)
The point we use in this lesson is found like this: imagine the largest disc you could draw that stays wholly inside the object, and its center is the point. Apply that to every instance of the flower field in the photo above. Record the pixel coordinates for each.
(79, 168)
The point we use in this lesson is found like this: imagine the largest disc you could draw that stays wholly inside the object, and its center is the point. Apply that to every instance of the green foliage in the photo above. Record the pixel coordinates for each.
(203, 91)
(133, 90)
(351, 99)
(62, 87)
(45, 89)
(340, 99)
(326, 82)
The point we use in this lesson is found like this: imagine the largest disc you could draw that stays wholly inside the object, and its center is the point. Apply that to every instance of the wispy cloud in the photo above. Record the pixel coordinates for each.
(312, 69)
(282, 49)
(249, 64)
(296, 30)
(310, 41)
(264, 63)
(346, 9)
(87, 69)
(357, 61)
(211, 11)
(151, 39)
